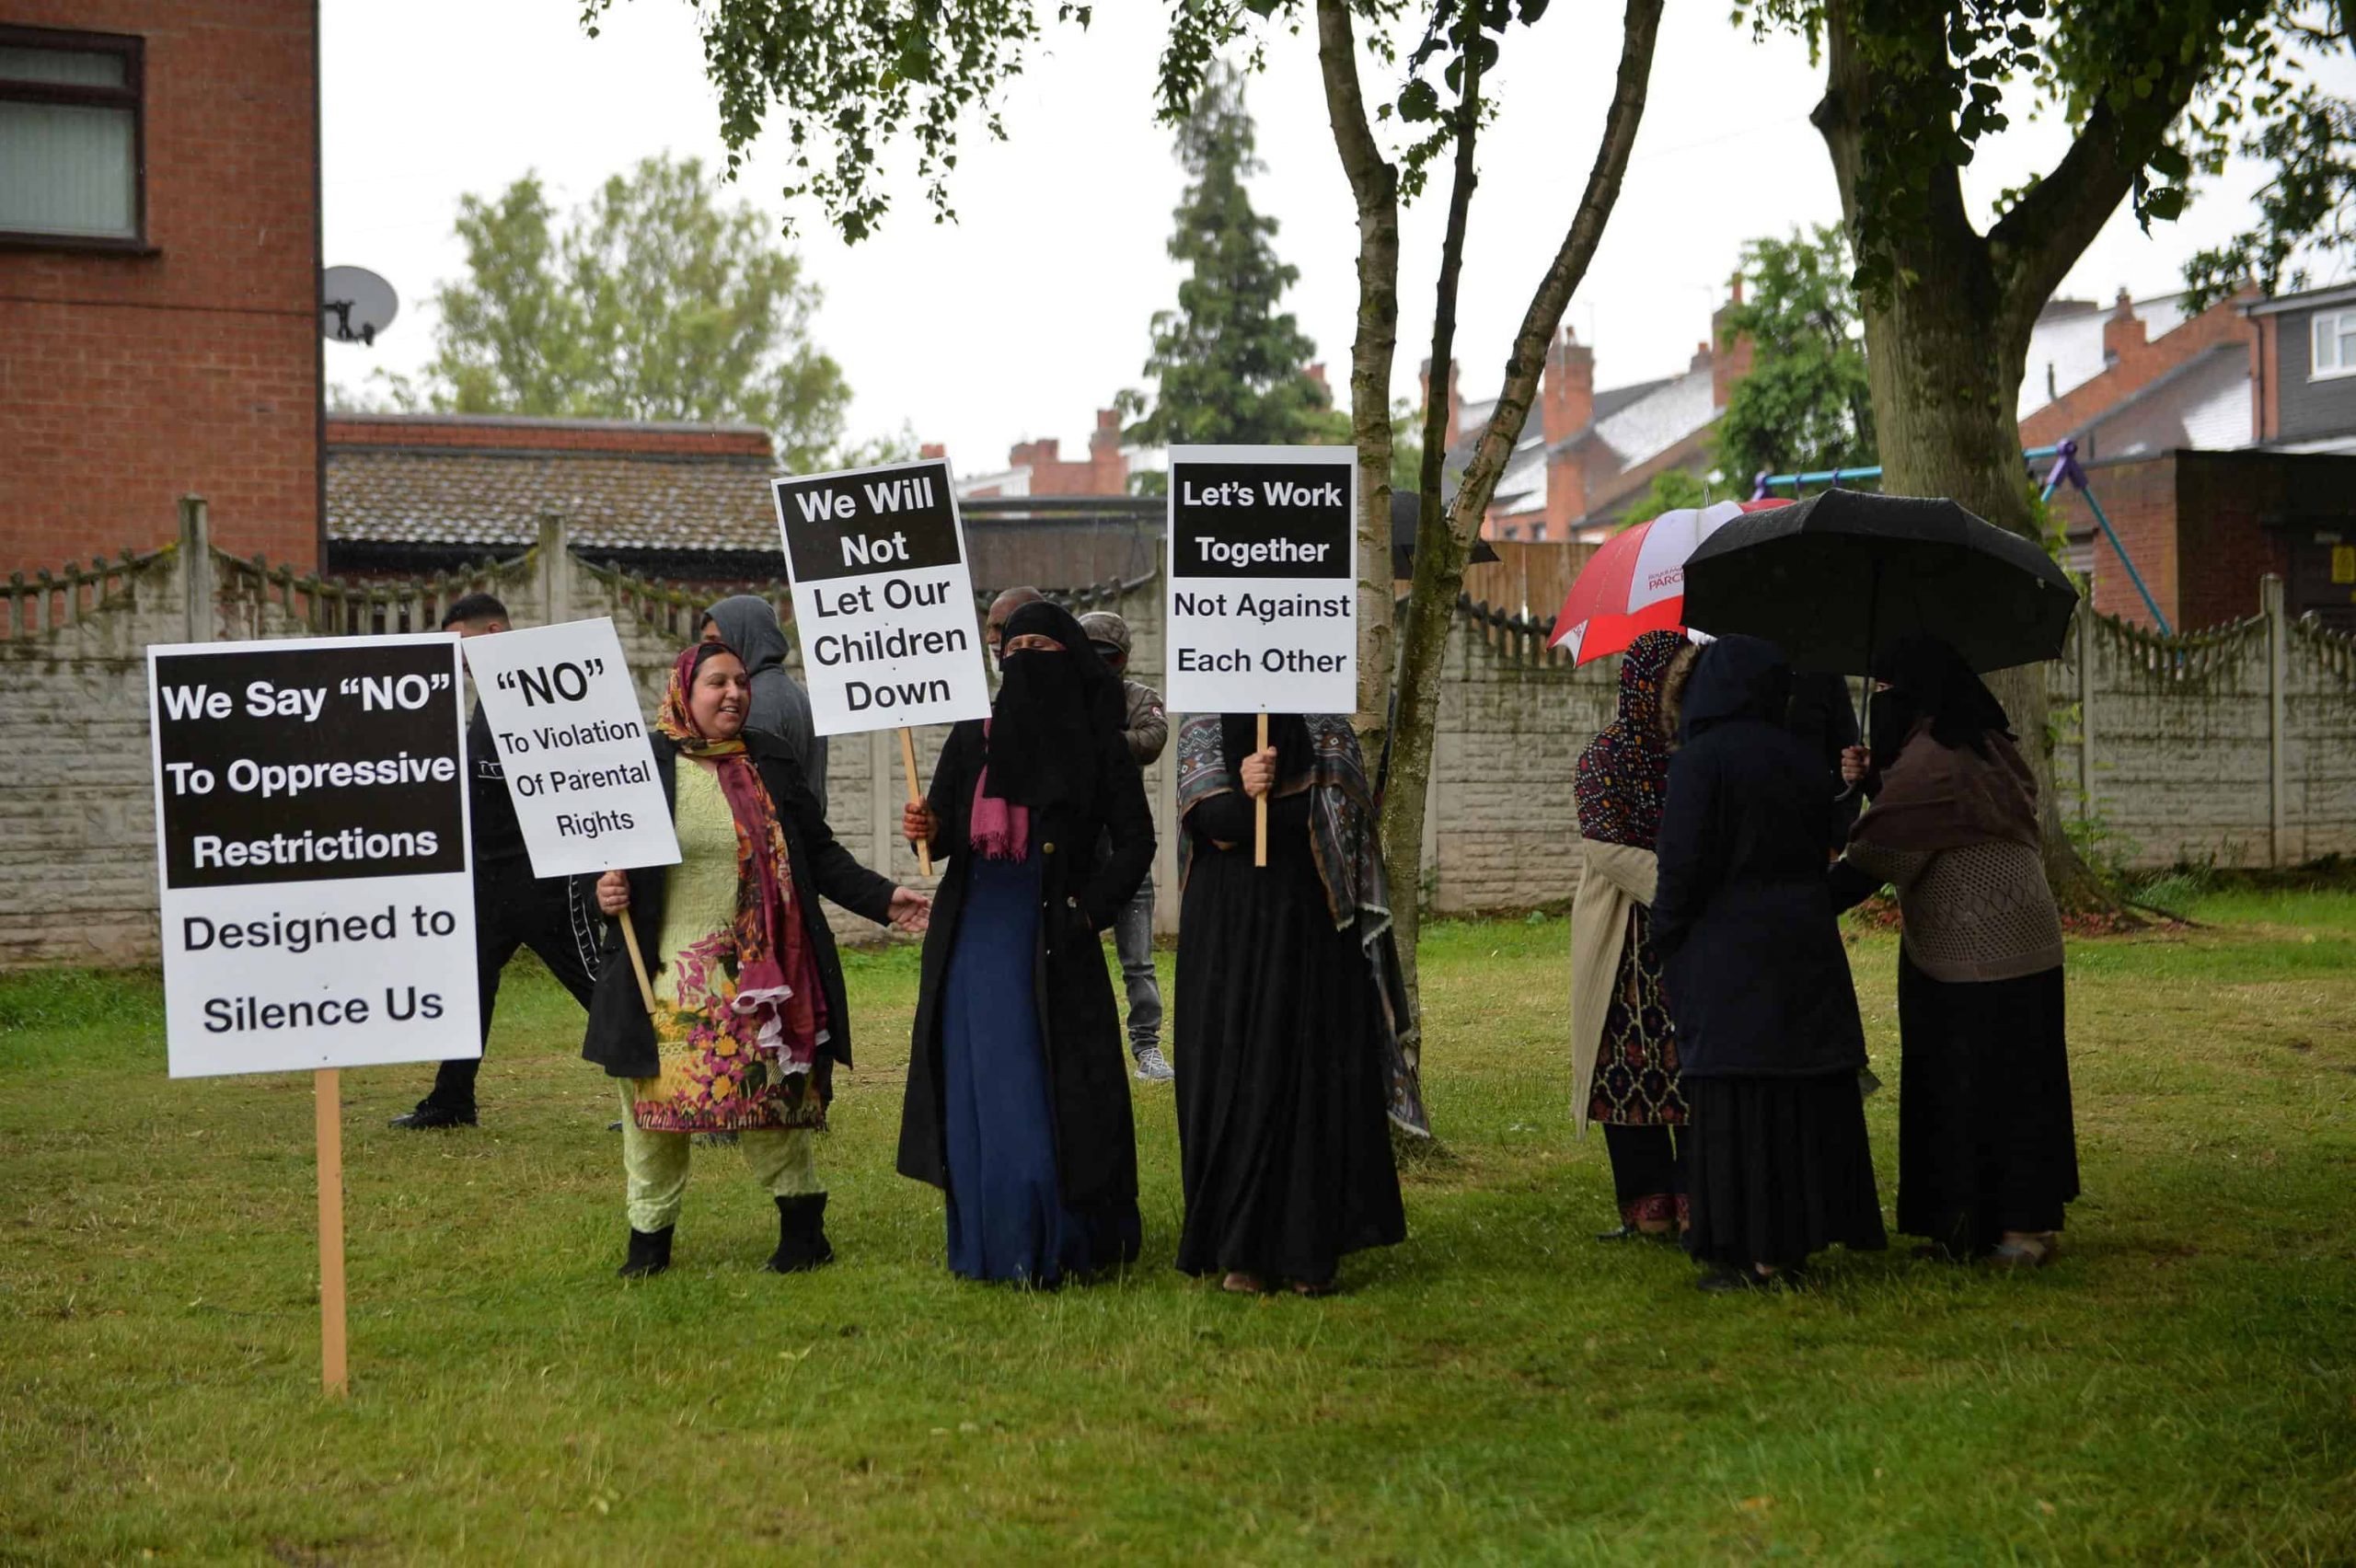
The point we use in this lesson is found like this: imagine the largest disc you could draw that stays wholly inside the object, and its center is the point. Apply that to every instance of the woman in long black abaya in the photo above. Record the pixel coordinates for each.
(1286, 1031)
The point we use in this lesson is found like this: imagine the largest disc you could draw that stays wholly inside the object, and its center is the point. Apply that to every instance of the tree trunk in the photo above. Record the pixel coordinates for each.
(1944, 355)
(1441, 551)
(1374, 186)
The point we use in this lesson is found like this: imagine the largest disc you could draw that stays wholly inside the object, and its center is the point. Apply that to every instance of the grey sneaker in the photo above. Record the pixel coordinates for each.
(1153, 1065)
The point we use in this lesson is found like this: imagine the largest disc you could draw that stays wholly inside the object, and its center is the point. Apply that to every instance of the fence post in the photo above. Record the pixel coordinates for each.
(2086, 711)
(556, 569)
(196, 567)
(2277, 781)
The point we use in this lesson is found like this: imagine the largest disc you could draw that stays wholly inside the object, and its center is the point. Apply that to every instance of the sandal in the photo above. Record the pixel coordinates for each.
(1240, 1284)
(2028, 1252)
(1303, 1287)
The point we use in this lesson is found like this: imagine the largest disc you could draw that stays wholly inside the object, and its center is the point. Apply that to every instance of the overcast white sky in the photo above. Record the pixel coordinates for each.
(1029, 314)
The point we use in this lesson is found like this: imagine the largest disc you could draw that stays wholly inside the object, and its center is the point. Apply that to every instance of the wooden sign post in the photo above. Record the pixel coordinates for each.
(916, 796)
(327, 1118)
(1260, 807)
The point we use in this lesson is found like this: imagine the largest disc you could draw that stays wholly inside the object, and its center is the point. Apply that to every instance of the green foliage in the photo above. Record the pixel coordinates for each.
(850, 78)
(2164, 85)
(2309, 205)
(1804, 405)
(652, 301)
(1228, 365)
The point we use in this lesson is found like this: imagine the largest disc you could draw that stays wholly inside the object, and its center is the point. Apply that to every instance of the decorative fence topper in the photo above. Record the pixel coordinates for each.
(317, 901)
(1263, 583)
(885, 602)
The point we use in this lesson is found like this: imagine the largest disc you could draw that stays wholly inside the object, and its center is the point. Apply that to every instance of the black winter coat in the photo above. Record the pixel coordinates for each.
(621, 1037)
(1088, 1083)
(1758, 978)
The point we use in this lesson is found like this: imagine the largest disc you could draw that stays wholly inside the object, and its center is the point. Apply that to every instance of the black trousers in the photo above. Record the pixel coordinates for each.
(514, 909)
(1647, 1171)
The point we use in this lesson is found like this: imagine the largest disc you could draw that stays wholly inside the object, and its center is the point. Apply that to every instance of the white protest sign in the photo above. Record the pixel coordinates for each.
(563, 712)
(1262, 580)
(881, 592)
(311, 843)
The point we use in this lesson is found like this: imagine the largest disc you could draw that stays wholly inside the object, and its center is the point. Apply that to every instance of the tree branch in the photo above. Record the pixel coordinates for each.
(2033, 247)
(1374, 186)
(1563, 276)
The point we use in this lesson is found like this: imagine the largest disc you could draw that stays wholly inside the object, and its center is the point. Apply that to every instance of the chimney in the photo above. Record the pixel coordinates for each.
(1729, 362)
(1565, 491)
(933, 449)
(1565, 395)
(2122, 332)
(1032, 453)
(1316, 372)
(1108, 467)
(1700, 360)
(1455, 403)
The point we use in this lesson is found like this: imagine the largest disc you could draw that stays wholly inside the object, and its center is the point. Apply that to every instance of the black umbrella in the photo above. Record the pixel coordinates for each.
(1842, 575)
(1406, 509)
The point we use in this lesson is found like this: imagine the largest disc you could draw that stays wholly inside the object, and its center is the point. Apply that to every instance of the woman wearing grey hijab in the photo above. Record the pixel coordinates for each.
(747, 623)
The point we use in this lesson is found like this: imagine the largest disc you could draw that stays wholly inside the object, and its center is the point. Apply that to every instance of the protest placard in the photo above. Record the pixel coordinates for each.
(317, 901)
(876, 557)
(563, 712)
(1263, 571)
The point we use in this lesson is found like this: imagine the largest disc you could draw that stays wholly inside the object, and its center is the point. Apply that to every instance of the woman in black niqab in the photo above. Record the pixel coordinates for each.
(1286, 1042)
(1018, 1097)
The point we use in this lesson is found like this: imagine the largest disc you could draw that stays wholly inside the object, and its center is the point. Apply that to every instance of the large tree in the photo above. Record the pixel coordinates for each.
(1805, 404)
(653, 300)
(1228, 365)
(2153, 91)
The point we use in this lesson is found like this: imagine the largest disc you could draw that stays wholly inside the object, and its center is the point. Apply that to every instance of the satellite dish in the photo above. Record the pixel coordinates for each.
(354, 305)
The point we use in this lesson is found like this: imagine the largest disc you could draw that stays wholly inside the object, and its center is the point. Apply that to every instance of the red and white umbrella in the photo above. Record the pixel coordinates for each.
(1635, 584)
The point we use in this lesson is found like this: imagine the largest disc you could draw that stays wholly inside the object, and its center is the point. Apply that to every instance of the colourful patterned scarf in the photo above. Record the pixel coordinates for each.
(776, 975)
(1000, 829)
(1622, 775)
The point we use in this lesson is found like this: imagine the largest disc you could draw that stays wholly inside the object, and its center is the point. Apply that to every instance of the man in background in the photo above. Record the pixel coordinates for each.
(748, 623)
(1005, 605)
(512, 908)
(1146, 727)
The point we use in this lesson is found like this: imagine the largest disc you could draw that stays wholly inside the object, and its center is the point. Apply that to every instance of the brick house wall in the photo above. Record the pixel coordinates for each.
(2304, 406)
(2139, 496)
(2137, 360)
(127, 378)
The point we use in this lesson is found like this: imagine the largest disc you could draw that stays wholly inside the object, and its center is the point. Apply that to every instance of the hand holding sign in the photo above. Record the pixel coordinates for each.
(1263, 585)
(564, 713)
(876, 557)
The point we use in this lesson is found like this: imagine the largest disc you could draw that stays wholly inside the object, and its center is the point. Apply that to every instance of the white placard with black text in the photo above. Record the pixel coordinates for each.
(563, 712)
(311, 845)
(1262, 571)
(882, 598)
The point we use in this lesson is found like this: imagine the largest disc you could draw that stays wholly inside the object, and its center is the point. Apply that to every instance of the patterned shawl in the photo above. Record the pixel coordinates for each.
(776, 975)
(1348, 854)
(1622, 775)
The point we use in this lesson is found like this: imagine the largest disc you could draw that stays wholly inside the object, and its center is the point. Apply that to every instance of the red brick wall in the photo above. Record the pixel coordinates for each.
(2141, 359)
(2224, 502)
(126, 380)
(2139, 496)
(411, 431)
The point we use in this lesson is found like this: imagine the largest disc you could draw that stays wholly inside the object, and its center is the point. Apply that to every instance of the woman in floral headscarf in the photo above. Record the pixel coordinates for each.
(1623, 1051)
(748, 1015)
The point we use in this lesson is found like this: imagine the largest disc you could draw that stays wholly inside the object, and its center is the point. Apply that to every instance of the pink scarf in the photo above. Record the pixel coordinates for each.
(1000, 829)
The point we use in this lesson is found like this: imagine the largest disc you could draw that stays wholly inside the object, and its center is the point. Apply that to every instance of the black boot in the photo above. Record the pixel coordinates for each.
(801, 1234)
(649, 1253)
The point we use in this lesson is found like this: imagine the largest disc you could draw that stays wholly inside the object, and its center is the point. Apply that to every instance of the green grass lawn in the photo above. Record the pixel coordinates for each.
(2181, 1388)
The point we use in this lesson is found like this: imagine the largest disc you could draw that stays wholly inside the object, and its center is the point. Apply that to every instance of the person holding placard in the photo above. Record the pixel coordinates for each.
(1289, 997)
(1018, 1095)
(748, 992)
(513, 910)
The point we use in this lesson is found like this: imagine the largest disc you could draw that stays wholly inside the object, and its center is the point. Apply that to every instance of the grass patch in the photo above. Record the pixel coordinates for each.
(1500, 1389)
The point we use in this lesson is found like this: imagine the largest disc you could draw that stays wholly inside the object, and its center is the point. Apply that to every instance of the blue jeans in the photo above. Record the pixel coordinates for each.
(1132, 940)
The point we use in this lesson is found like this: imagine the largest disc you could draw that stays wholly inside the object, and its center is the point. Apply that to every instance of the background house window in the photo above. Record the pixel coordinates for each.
(70, 137)
(2335, 344)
